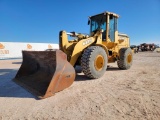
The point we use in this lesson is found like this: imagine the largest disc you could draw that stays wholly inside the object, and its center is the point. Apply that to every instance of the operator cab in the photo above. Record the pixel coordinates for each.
(106, 21)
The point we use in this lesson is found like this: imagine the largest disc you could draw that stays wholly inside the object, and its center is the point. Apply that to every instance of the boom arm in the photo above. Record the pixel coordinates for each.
(74, 48)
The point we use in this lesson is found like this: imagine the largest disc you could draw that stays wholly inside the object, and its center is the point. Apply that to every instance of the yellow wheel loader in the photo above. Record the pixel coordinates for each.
(48, 72)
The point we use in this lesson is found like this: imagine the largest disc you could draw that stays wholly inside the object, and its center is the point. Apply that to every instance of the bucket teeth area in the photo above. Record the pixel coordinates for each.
(42, 72)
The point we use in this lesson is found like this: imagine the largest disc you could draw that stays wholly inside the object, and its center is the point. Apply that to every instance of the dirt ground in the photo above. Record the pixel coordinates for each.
(132, 94)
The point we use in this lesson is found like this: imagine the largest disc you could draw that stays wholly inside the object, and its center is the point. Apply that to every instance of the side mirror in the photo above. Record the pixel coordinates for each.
(89, 21)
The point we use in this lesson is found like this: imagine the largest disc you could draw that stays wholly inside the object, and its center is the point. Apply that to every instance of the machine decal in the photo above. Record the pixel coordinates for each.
(87, 42)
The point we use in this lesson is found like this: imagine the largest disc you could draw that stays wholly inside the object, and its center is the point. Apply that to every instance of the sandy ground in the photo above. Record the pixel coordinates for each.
(132, 94)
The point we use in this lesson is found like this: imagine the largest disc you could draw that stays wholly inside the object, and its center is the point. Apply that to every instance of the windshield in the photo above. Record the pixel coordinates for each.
(98, 22)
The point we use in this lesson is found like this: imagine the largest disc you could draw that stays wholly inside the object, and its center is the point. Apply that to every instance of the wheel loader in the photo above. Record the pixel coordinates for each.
(46, 72)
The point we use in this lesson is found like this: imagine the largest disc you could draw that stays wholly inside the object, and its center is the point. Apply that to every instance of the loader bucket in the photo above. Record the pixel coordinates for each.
(45, 72)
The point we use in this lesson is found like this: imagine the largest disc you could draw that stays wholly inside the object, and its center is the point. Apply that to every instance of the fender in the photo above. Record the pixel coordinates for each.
(79, 48)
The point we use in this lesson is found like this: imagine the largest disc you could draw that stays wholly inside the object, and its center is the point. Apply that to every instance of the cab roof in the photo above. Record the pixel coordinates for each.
(106, 12)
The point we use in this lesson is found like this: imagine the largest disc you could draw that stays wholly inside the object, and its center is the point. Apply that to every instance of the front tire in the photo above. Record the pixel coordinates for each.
(125, 58)
(94, 62)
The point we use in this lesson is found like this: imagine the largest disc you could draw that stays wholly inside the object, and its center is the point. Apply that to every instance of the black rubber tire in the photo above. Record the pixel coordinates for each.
(122, 62)
(87, 62)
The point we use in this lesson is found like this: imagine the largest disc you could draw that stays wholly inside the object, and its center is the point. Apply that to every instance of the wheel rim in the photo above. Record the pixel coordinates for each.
(99, 62)
(129, 58)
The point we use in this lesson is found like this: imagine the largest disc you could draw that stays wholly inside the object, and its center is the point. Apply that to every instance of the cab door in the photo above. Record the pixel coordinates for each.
(112, 27)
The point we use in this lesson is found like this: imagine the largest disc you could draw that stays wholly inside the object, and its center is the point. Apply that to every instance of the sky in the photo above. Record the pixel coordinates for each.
(41, 20)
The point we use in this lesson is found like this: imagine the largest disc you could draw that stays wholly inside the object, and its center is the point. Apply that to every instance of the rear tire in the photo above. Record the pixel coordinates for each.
(125, 58)
(94, 62)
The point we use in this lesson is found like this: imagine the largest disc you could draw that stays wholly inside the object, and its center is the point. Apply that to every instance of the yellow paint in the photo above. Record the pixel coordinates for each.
(74, 48)
(129, 58)
(99, 62)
